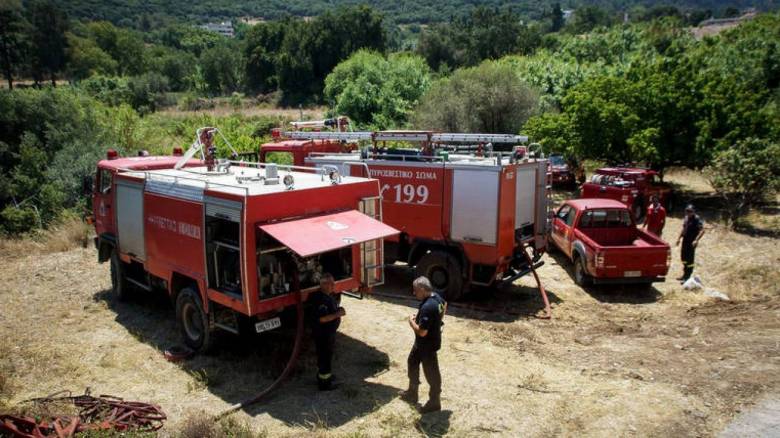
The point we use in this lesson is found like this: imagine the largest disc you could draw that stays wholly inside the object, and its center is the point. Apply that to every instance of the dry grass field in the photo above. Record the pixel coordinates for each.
(612, 362)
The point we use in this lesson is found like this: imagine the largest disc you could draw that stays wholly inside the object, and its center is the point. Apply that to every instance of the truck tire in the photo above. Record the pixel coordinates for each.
(193, 321)
(444, 272)
(581, 276)
(119, 285)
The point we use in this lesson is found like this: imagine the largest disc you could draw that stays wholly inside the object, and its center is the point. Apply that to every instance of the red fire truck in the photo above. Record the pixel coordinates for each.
(233, 243)
(300, 149)
(632, 186)
(465, 219)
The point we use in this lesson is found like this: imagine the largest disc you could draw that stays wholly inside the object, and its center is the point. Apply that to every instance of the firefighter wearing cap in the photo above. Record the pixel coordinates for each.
(328, 317)
(427, 342)
(655, 219)
(691, 233)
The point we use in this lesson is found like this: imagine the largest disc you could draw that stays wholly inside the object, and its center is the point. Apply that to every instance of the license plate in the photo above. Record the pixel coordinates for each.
(268, 324)
(632, 273)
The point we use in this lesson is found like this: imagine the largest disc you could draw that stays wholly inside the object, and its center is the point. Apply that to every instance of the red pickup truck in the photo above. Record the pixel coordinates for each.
(632, 186)
(601, 238)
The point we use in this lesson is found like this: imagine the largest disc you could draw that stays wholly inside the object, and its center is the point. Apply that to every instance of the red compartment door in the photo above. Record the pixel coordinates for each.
(315, 235)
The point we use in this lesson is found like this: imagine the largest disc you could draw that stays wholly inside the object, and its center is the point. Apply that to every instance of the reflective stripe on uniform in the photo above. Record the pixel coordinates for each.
(324, 376)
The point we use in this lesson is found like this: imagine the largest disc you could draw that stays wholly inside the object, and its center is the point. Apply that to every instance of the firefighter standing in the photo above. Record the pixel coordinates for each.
(427, 341)
(692, 230)
(328, 317)
(655, 219)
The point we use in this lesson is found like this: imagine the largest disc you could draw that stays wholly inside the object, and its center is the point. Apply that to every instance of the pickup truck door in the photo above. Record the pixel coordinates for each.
(561, 228)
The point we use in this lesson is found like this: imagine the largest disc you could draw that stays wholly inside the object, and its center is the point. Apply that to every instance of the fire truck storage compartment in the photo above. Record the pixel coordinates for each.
(475, 205)
(277, 262)
(130, 217)
(223, 245)
(525, 202)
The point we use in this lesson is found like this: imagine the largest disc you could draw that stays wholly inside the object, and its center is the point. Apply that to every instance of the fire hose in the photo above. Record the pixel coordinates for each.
(104, 412)
(290, 362)
(547, 310)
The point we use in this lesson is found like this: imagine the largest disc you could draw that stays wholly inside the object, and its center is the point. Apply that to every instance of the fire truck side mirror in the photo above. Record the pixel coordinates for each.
(87, 185)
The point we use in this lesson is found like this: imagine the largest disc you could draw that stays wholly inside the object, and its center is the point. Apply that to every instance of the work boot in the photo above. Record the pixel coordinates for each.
(325, 384)
(410, 395)
(433, 405)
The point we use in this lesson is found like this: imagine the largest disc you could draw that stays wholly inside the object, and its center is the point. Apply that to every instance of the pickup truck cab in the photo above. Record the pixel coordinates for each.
(601, 238)
(632, 186)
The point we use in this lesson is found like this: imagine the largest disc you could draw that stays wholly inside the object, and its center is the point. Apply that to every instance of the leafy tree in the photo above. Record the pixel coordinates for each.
(86, 59)
(13, 27)
(179, 67)
(556, 18)
(376, 91)
(486, 98)
(48, 39)
(587, 18)
(260, 47)
(746, 174)
(221, 68)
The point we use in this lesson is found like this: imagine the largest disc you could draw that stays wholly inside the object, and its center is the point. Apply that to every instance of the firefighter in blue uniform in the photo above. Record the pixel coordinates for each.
(427, 342)
(328, 316)
(692, 230)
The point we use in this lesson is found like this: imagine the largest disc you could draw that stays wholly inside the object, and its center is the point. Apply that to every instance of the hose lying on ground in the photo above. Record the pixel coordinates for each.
(548, 311)
(287, 369)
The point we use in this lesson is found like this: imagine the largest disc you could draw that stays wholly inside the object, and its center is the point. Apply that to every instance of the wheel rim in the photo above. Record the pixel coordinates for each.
(578, 274)
(193, 325)
(439, 277)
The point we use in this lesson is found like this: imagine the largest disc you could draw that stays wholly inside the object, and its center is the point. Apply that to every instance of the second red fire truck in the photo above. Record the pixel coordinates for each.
(465, 218)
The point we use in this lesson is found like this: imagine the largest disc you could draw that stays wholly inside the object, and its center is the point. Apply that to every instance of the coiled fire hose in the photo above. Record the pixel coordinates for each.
(290, 362)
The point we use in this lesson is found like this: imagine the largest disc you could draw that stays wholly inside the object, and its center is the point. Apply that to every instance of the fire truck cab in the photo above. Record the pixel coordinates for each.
(465, 218)
(234, 243)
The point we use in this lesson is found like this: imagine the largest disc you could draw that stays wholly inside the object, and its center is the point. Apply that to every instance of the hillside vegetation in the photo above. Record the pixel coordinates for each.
(640, 92)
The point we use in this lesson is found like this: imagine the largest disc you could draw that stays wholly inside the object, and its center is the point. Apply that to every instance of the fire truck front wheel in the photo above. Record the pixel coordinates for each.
(119, 284)
(193, 321)
(444, 272)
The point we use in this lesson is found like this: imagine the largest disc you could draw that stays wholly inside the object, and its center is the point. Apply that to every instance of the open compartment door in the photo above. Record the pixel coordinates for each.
(315, 235)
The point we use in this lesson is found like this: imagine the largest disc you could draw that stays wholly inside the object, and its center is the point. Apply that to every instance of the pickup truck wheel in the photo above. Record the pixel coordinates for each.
(193, 321)
(119, 284)
(581, 276)
(444, 272)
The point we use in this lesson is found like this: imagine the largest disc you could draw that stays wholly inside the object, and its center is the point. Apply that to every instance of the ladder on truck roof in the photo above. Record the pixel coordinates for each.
(411, 136)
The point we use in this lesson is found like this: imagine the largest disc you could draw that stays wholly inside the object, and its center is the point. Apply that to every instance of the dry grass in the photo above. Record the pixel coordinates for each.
(70, 232)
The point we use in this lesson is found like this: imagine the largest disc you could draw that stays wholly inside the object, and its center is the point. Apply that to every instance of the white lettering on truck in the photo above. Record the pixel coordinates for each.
(168, 224)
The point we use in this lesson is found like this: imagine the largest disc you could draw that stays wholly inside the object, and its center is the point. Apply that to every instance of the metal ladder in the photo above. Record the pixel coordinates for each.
(371, 256)
(410, 136)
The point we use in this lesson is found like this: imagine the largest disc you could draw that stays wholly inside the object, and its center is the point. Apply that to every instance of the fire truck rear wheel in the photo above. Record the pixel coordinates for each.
(119, 285)
(193, 321)
(444, 272)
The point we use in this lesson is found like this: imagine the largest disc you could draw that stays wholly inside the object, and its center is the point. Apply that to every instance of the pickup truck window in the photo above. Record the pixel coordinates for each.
(563, 212)
(612, 218)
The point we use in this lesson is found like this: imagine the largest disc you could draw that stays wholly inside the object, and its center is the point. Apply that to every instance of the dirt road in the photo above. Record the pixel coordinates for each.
(611, 362)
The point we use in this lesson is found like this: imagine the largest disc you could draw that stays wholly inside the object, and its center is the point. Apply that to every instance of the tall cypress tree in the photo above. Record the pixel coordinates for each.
(12, 38)
(47, 39)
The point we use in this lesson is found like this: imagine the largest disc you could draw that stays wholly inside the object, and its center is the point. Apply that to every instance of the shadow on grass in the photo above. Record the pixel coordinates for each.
(496, 304)
(611, 293)
(434, 424)
(244, 365)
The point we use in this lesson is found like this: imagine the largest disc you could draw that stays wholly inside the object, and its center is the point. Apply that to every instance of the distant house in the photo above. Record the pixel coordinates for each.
(567, 13)
(224, 28)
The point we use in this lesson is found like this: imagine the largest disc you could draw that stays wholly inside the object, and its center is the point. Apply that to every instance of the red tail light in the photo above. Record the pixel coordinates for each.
(177, 152)
(112, 154)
